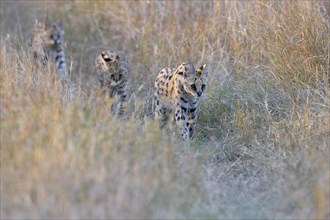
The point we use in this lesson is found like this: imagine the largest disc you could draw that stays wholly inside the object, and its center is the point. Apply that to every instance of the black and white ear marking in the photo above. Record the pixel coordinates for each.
(189, 69)
(186, 74)
(204, 69)
(105, 57)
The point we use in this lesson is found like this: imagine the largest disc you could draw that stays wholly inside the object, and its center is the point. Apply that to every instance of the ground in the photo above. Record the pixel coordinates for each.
(261, 148)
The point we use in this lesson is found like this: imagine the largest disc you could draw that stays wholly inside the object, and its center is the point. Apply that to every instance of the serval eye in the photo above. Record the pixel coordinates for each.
(203, 87)
(193, 87)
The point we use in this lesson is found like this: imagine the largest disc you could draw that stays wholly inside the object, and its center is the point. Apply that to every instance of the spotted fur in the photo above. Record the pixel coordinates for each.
(177, 95)
(48, 45)
(113, 74)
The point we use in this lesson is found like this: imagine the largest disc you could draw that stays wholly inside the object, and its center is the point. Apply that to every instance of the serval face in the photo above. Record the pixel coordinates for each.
(108, 64)
(195, 83)
(54, 35)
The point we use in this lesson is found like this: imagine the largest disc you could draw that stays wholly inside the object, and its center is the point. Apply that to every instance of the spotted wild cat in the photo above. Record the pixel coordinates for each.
(48, 45)
(113, 74)
(177, 95)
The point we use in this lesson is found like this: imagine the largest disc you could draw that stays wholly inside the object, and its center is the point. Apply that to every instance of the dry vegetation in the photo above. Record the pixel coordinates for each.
(262, 145)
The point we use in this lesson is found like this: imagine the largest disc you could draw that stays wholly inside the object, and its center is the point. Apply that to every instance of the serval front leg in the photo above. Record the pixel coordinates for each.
(180, 120)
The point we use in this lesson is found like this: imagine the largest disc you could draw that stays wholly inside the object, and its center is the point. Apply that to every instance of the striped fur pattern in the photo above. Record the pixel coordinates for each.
(177, 94)
(48, 45)
(113, 74)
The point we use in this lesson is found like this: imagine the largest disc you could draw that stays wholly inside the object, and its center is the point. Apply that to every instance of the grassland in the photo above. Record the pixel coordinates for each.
(261, 148)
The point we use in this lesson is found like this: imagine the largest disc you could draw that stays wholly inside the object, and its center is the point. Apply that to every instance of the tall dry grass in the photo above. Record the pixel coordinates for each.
(261, 149)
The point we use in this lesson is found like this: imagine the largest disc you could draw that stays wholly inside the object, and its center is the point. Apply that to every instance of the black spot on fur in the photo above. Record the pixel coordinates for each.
(192, 110)
(182, 99)
(61, 63)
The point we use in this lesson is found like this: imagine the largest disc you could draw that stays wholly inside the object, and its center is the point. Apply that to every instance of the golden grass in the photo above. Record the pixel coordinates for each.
(261, 149)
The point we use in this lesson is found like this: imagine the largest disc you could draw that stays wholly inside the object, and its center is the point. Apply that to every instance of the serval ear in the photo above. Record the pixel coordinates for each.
(204, 70)
(47, 24)
(60, 24)
(189, 69)
(36, 25)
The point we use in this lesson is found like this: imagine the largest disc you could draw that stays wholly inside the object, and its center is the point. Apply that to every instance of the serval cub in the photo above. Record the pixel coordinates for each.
(48, 44)
(113, 74)
(177, 94)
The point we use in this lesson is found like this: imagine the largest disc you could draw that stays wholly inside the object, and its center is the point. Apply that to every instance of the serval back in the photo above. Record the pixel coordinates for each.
(113, 75)
(177, 95)
(48, 45)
